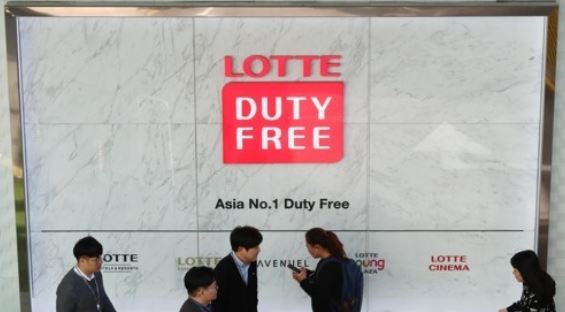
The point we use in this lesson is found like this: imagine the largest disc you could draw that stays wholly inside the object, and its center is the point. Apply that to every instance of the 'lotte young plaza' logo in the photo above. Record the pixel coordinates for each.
(283, 121)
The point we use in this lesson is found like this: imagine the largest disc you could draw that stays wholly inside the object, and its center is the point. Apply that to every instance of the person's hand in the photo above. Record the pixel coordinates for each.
(503, 310)
(299, 277)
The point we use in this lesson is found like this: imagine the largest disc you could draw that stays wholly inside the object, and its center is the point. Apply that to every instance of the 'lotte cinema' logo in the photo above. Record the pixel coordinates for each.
(448, 263)
(283, 121)
(120, 262)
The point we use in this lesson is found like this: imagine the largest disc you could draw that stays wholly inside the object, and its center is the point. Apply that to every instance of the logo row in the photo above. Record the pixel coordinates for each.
(370, 262)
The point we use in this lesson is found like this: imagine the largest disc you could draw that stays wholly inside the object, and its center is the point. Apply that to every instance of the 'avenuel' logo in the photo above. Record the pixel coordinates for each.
(283, 122)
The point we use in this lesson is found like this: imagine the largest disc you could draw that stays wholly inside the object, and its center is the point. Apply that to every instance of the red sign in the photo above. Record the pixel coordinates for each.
(283, 122)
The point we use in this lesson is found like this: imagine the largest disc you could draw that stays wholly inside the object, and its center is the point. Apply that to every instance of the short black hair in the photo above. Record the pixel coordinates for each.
(87, 247)
(198, 277)
(246, 237)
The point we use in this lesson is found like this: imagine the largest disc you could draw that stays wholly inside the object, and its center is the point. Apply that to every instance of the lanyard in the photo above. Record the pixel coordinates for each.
(95, 294)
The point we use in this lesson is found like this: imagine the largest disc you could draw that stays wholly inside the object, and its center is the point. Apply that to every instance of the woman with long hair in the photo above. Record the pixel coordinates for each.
(324, 284)
(539, 287)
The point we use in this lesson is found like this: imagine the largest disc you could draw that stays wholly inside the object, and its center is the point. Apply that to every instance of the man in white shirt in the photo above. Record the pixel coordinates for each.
(82, 288)
(236, 273)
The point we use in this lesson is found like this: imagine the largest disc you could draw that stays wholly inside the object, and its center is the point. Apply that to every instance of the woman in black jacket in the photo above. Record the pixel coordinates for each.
(539, 287)
(324, 284)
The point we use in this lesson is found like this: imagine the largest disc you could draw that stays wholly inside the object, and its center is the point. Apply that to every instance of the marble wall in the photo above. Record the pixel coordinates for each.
(123, 140)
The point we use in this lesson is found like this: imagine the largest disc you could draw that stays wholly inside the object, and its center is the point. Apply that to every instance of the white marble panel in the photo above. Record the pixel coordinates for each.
(241, 37)
(408, 284)
(448, 176)
(107, 70)
(456, 69)
(152, 283)
(278, 292)
(342, 181)
(87, 177)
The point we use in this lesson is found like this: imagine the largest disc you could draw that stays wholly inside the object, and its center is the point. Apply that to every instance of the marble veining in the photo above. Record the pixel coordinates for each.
(347, 182)
(111, 70)
(217, 37)
(453, 176)
(456, 69)
(111, 177)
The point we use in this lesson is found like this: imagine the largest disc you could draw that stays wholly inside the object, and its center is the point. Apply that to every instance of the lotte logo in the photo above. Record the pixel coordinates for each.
(283, 122)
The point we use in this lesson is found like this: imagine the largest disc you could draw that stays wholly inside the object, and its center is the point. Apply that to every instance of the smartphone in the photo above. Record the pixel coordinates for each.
(292, 267)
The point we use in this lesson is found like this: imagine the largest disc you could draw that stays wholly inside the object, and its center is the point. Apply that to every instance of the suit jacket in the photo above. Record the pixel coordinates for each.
(190, 306)
(233, 294)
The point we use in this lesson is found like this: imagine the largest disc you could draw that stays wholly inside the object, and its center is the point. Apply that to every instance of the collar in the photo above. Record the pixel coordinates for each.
(238, 262)
(81, 274)
(202, 307)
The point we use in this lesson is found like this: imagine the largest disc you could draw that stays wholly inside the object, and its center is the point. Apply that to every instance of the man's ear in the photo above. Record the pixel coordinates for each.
(200, 291)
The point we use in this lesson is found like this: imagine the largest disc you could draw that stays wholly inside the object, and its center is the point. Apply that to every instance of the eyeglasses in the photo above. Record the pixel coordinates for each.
(97, 259)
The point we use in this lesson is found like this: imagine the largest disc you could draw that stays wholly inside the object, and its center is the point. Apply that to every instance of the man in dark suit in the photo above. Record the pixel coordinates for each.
(237, 272)
(200, 282)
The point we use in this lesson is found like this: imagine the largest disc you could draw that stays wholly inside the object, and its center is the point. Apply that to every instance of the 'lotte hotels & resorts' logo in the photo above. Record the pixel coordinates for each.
(283, 121)
(120, 262)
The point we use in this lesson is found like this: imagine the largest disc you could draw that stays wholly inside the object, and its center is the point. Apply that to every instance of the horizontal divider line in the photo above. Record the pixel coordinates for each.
(208, 123)
(273, 231)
